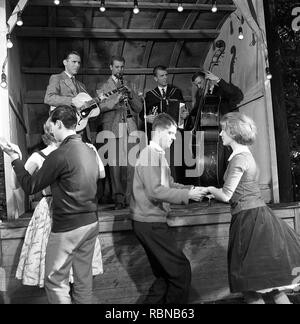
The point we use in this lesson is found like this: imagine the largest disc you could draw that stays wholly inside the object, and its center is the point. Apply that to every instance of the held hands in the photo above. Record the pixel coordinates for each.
(197, 193)
(11, 149)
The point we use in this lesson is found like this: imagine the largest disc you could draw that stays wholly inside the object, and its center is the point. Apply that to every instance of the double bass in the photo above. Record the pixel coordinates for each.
(206, 146)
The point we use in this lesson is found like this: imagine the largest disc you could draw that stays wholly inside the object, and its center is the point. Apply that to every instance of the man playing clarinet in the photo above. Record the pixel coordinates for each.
(119, 115)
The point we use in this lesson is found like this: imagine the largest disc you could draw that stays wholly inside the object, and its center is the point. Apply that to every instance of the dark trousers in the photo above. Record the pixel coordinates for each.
(169, 264)
(122, 176)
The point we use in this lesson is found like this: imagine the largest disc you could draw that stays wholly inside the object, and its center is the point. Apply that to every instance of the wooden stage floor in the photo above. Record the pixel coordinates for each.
(200, 230)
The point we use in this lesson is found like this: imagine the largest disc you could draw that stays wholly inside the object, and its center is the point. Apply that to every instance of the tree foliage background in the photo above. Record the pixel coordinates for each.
(289, 59)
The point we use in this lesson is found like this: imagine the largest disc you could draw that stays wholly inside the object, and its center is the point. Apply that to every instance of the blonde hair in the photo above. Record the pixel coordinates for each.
(239, 127)
(48, 137)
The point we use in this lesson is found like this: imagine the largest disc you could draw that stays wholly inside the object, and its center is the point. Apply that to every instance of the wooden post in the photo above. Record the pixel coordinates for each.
(4, 99)
(9, 118)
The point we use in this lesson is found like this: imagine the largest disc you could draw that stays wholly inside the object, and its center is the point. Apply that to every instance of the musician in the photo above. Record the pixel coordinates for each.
(162, 97)
(64, 87)
(119, 113)
(230, 95)
(227, 95)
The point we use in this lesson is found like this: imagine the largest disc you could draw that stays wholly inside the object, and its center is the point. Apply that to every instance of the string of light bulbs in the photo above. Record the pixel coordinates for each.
(241, 37)
(136, 8)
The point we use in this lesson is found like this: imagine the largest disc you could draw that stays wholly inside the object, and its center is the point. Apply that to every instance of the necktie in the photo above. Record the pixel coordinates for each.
(164, 95)
(75, 84)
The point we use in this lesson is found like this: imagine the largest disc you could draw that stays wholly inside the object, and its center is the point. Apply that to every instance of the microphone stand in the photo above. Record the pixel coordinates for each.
(145, 120)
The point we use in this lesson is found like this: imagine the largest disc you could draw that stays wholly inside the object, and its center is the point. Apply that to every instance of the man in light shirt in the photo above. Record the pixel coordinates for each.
(153, 191)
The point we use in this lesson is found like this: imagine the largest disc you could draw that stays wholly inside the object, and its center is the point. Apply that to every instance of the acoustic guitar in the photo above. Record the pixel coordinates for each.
(89, 107)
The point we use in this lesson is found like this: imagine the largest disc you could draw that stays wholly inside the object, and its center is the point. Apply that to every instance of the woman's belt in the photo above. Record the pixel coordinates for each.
(238, 206)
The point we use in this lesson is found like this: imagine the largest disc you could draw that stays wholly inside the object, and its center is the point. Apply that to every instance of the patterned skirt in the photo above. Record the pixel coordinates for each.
(31, 267)
(264, 251)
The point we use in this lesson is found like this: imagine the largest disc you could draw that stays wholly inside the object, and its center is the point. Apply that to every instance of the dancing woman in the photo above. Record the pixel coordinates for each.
(31, 267)
(263, 250)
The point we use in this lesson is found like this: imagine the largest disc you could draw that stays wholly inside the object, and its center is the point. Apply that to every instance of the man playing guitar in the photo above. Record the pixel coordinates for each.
(63, 88)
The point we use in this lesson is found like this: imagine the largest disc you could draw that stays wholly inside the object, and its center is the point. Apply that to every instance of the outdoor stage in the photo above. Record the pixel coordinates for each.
(201, 230)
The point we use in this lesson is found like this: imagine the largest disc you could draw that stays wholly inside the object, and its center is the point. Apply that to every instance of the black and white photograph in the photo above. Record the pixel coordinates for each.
(150, 154)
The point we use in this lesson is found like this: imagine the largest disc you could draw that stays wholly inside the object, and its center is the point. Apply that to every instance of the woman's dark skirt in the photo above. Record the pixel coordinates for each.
(264, 252)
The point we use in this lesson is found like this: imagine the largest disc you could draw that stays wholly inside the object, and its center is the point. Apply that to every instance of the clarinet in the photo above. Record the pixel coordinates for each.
(125, 99)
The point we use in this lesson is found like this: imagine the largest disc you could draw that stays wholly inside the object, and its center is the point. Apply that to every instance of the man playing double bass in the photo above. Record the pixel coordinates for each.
(229, 94)
(223, 95)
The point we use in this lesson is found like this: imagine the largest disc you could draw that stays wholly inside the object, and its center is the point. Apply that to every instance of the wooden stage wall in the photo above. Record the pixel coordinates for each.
(200, 230)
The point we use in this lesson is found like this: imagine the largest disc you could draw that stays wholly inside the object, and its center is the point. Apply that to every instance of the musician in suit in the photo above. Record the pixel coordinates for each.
(230, 94)
(119, 116)
(163, 99)
(64, 87)
(227, 94)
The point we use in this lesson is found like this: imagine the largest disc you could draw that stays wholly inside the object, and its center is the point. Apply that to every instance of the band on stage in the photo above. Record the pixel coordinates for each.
(62, 241)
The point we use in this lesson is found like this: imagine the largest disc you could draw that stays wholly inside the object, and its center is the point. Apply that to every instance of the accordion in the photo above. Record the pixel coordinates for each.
(172, 107)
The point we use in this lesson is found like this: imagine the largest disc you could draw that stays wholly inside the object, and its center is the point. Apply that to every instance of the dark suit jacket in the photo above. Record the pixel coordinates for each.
(230, 96)
(155, 103)
(154, 98)
(61, 90)
(112, 112)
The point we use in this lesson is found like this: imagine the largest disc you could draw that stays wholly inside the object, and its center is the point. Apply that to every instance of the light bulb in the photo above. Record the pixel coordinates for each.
(269, 75)
(19, 20)
(180, 7)
(57, 2)
(102, 6)
(136, 10)
(3, 80)
(9, 43)
(214, 8)
(241, 34)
